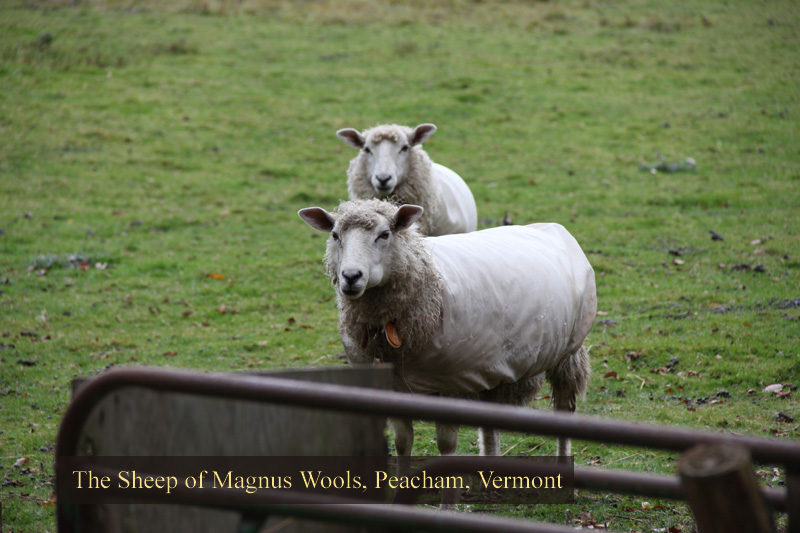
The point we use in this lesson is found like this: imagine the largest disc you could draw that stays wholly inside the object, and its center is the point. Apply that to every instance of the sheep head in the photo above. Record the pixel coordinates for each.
(385, 150)
(360, 246)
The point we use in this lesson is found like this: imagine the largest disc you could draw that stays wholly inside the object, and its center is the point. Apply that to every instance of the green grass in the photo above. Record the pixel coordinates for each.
(144, 148)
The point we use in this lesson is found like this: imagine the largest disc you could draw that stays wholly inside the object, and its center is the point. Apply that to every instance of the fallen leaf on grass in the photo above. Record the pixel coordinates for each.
(611, 374)
(49, 502)
(224, 309)
(171, 352)
(783, 417)
(632, 356)
(21, 461)
(214, 275)
(585, 520)
(774, 388)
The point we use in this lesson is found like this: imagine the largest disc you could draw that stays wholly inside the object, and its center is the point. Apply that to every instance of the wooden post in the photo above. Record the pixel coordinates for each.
(793, 496)
(721, 489)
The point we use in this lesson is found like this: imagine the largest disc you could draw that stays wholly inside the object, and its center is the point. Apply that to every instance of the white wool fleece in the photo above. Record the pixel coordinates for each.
(516, 300)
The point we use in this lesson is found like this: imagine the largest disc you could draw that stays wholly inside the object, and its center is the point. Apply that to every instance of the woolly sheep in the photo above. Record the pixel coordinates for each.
(479, 315)
(392, 165)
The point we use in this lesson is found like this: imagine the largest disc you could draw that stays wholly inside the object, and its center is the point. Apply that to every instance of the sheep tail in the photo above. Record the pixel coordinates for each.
(570, 379)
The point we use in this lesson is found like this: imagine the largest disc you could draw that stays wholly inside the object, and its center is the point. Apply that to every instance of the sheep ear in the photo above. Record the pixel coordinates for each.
(351, 137)
(406, 215)
(421, 133)
(317, 218)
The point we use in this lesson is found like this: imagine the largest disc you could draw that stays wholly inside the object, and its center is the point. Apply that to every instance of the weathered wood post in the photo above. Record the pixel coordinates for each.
(721, 489)
(793, 495)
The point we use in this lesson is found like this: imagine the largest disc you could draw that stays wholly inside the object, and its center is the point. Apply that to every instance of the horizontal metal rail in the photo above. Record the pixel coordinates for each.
(377, 402)
(397, 404)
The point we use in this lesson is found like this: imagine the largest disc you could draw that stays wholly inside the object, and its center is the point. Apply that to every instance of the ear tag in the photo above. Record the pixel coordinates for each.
(392, 336)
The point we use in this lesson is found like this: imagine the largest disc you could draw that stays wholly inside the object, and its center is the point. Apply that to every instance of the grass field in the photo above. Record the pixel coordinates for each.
(152, 160)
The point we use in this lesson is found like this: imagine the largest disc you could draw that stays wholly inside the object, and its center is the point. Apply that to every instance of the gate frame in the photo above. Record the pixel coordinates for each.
(324, 396)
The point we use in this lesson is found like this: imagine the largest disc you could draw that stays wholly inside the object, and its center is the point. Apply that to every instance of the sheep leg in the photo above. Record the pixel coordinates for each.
(403, 442)
(489, 441)
(569, 380)
(446, 441)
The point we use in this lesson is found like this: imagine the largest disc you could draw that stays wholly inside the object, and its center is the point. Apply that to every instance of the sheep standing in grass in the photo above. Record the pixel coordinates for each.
(478, 315)
(392, 165)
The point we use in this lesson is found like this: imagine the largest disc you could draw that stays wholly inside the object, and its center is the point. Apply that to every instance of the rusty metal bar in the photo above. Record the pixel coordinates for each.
(655, 485)
(378, 402)
(619, 481)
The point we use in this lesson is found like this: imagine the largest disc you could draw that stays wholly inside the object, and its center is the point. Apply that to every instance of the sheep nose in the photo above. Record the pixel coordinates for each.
(351, 276)
(383, 179)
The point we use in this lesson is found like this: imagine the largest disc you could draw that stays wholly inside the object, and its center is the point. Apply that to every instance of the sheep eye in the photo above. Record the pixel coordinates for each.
(367, 150)
(384, 235)
(335, 236)
(404, 148)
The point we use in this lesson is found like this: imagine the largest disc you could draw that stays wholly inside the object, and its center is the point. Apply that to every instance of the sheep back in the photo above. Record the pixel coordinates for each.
(516, 301)
(457, 212)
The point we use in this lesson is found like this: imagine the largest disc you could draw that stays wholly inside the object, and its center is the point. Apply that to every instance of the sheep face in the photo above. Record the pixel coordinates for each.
(359, 249)
(385, 150)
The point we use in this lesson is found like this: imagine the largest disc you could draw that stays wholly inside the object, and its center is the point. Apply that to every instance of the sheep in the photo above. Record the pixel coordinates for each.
(481, 315)
(392, 165)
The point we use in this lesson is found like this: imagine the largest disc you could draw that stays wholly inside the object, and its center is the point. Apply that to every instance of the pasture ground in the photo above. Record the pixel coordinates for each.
(153, 158)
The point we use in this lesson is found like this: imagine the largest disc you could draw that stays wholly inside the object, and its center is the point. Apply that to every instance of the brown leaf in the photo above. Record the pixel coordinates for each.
(21, 461)
(632, 356)
(214, 275)
(171, 352)
(611, 374)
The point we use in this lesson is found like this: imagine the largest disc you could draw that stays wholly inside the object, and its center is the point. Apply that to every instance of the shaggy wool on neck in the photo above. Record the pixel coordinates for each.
(411, 300)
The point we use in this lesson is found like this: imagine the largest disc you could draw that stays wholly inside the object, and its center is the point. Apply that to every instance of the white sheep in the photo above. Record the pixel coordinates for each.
(392, 165)
(481, 315)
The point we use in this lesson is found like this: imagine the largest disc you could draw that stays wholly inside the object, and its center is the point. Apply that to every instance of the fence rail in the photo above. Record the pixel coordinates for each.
(466, 412)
